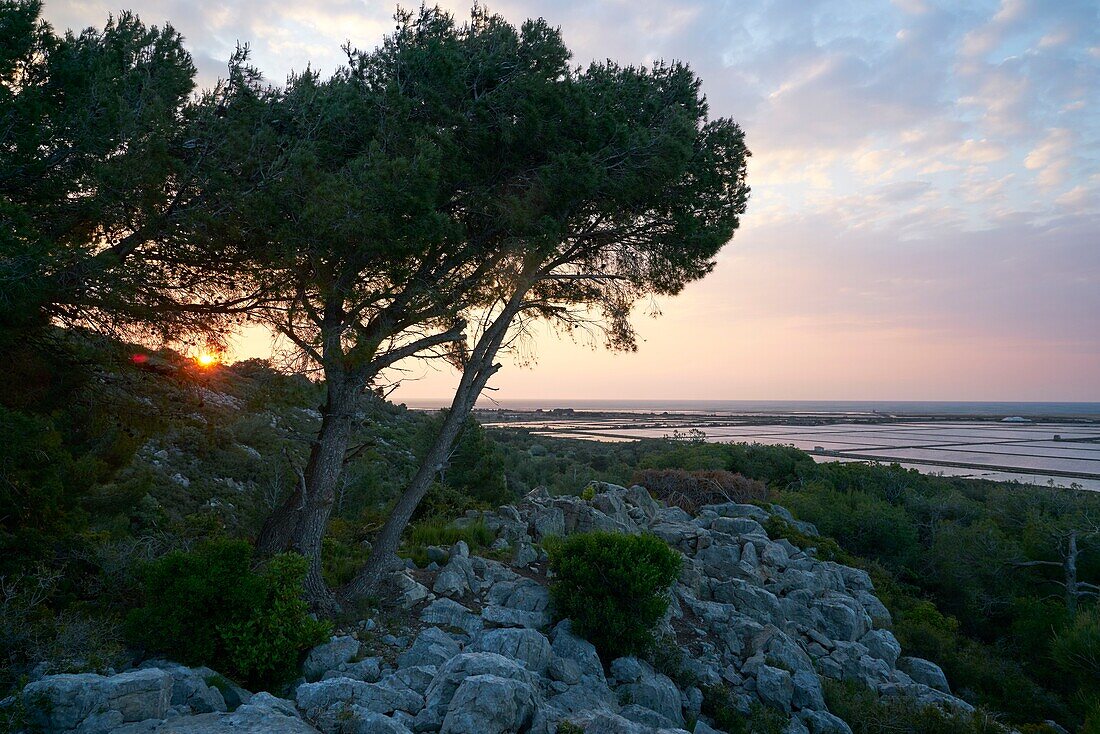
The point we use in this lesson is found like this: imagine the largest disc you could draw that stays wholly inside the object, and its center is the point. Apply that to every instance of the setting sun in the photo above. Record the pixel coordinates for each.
(206, 359)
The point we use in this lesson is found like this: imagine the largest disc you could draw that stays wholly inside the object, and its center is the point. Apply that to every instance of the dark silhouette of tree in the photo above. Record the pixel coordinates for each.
(636, 193)
(440, 194)
(102, 157)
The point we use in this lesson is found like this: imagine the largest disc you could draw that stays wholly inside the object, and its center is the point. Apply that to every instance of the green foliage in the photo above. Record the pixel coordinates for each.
(613, 587)
(266, 647)
(1076, 649)
(862, 523)
(717, 706)
(208, 607)
(567, 727)
(477, 467)
(773, 465)
(40, 485)
(98, 147)
(437, 532)
(869, 713)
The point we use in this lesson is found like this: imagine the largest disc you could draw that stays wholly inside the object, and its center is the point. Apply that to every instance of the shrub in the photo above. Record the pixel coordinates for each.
(266, 646)
(863, 524)
(613, 587)
(208, 607)
(869, 713)
(691, 490)
(1076, 648)
(477, 536)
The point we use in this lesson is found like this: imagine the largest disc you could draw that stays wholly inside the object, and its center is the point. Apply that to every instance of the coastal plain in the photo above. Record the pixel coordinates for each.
(1058, 453)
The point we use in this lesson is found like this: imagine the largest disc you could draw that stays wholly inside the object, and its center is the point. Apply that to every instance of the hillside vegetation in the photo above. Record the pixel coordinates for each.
(115, 463)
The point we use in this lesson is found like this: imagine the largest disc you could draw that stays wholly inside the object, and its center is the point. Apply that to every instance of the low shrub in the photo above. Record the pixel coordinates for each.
(209, 607)
(614, 587)
(690, 490)
(1076, 648)
(869, 713)
(438, 532)
(719, 708)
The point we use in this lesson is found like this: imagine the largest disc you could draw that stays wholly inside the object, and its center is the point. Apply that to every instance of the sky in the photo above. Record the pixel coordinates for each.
(925, 213)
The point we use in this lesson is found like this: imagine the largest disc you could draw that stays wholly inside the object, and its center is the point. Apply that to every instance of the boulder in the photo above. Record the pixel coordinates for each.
(546, 522)
(358, 720)
(924, 695)
(367, 669)
(328, 656)
(926, 672)
(572, 658)
(520, 593)
(638, 683)
(432, 646)
(457, 578)
(252, 718)
(59, 703)
(495, 616)
(489, 704)
(326, 701)
(738, 526)
(449, 613)
(190, 689)
(438, 697)
(410, 591)
(822, 722)
(749, 599)
(525, 645)
(774, 687)
(884, 646)
(735, 509)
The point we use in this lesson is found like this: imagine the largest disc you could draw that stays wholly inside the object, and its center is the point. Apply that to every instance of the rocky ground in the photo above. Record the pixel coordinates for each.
(474, 650)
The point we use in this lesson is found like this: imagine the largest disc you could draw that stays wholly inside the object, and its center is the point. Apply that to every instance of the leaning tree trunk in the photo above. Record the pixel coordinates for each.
(475, 375)
(299, 523)
(383, 557)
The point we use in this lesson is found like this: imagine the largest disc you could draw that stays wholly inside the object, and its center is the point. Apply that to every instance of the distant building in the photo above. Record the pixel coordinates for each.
(1016, 419)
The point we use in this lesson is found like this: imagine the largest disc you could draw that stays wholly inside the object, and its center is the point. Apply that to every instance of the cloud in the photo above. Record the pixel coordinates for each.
(1052, 158)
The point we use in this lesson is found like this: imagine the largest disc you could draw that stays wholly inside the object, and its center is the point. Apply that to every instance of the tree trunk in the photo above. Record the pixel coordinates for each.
(475, 375)
(1071, 574)
(277, 533)
(299, 523)
(383, 558)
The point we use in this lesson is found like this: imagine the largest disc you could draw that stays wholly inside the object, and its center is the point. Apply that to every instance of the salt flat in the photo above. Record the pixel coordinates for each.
(1058, 454)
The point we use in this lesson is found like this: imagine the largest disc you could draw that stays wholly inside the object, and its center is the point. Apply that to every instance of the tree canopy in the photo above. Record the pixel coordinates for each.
(101, 156)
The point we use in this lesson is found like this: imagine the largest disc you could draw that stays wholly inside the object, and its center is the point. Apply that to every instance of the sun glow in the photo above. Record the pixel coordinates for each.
(206, 359)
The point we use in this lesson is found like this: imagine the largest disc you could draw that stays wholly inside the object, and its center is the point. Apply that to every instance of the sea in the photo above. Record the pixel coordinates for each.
(794, 407)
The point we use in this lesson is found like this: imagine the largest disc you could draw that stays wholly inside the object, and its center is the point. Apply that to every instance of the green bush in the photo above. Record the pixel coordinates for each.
(425, 533)
(209, 607)
(869, 713)
(1076, 648)
(613, 587)
(862, 523)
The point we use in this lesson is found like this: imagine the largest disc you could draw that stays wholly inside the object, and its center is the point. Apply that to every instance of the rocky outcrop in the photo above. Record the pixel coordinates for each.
(753, 616)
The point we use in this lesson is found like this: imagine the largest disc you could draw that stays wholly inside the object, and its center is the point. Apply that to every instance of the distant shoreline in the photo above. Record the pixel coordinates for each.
(810, 410)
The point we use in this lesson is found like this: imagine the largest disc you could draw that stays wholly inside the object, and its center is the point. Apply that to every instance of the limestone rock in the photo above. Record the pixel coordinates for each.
(59, 703)
(525, 645)
(926, 672)
(449, 613)
(433, 646)
(489, 704)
